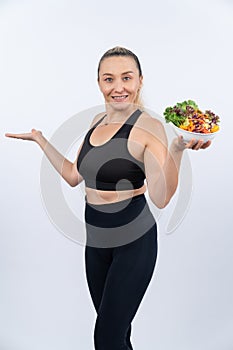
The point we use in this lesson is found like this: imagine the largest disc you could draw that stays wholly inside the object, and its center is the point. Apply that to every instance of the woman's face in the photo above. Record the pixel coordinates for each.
(119, 81)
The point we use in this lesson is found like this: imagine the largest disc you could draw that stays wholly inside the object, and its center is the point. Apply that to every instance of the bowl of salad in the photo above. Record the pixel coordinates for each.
(189, 121)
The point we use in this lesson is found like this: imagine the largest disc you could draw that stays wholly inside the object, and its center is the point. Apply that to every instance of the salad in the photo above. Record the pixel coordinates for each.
(187, 116)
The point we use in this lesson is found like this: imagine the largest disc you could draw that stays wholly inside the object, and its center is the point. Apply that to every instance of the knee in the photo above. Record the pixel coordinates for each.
(107, 336)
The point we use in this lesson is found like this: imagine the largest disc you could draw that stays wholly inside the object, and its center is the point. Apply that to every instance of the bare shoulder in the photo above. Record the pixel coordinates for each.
(152, 126)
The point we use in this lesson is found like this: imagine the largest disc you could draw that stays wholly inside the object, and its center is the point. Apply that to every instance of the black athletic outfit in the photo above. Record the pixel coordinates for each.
(121, 249)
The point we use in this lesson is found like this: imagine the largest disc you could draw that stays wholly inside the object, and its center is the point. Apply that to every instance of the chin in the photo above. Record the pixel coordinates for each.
(121, 106)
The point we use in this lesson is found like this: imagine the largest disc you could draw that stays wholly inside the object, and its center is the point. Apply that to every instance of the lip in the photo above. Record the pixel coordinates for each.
(120, 98)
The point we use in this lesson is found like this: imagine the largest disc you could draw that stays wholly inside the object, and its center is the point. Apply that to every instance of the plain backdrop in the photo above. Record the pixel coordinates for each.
(49, 51)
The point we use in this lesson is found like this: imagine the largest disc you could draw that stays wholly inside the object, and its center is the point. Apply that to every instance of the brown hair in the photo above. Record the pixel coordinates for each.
(122, 51)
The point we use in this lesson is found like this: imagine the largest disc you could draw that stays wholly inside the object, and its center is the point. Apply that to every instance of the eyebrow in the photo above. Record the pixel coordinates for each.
(121, 74)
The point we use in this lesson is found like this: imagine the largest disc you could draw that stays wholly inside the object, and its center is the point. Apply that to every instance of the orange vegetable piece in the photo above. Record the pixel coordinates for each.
(214, 129)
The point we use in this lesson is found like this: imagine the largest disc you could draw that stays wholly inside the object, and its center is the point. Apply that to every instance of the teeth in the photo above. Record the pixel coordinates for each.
(119, 97)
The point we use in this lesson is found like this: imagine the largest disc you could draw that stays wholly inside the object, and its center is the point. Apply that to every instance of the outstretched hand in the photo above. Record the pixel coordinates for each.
(31, 136)
(192, 144)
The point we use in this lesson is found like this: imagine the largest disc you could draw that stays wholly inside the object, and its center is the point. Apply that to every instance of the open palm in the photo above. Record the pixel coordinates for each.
(31, 136)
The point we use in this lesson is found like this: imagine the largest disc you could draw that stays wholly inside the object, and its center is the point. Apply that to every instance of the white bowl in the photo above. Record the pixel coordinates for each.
(188, 135)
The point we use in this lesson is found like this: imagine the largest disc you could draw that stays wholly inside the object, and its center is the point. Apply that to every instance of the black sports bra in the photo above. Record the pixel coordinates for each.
(110, 166)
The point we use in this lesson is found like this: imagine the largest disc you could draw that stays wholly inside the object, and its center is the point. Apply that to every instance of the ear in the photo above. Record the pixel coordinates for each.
(141, 81)
(98, 82)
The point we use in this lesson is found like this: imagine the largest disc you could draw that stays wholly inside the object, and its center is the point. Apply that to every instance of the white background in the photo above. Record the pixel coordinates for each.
(48, 60)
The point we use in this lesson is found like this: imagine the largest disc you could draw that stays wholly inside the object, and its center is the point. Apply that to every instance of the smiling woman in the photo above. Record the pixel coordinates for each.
(120, 76)
(123, 147)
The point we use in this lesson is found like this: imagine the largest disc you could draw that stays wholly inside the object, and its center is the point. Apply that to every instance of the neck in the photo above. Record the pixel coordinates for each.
(118, 116)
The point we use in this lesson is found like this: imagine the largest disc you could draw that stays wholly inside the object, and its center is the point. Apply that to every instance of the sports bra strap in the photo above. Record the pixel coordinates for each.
(128, 125)
(99, 121)
(133, 118)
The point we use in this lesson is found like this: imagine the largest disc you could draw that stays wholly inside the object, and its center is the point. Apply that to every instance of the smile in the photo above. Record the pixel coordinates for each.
(120, 98)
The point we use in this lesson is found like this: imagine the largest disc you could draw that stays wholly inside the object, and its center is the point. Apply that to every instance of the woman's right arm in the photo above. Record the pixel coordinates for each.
(63, 166)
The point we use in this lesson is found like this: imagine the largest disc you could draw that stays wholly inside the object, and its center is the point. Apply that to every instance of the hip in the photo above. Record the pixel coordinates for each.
(118, 223)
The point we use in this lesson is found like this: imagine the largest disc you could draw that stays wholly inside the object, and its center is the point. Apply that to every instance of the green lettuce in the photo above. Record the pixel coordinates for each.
(179, 112)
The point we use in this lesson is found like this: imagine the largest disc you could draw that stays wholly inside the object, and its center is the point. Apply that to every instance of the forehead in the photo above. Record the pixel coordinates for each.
(118, 64)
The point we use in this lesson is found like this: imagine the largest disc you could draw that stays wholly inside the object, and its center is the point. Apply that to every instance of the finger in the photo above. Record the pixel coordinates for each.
(10, 135)
(191, 143)
(198, 145)
(20, 136)
(206, 144)
(181, 140)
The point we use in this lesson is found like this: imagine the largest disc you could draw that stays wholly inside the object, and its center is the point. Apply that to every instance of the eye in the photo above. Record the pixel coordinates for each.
(108, 79)
(126, 78)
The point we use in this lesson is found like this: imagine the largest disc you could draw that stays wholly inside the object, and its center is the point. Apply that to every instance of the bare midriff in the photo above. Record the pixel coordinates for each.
(104, 197)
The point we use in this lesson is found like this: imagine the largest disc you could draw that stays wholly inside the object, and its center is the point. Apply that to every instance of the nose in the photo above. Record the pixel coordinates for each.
(119, 86)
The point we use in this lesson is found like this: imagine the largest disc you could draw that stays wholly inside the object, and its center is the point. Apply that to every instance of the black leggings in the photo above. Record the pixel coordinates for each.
(119, 273)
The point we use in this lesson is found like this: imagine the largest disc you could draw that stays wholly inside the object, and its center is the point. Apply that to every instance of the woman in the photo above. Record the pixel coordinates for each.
(123, 147)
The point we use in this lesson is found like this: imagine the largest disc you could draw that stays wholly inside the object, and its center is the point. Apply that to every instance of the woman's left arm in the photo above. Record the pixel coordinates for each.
(162, 165)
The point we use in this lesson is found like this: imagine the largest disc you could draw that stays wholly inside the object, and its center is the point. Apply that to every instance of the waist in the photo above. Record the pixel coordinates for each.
(118, 223)
(97, 197)
(118, 213)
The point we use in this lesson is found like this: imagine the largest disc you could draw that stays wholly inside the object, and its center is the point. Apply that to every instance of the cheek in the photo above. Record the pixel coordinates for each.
(134, 84)
(135, 88)
(105, 89)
